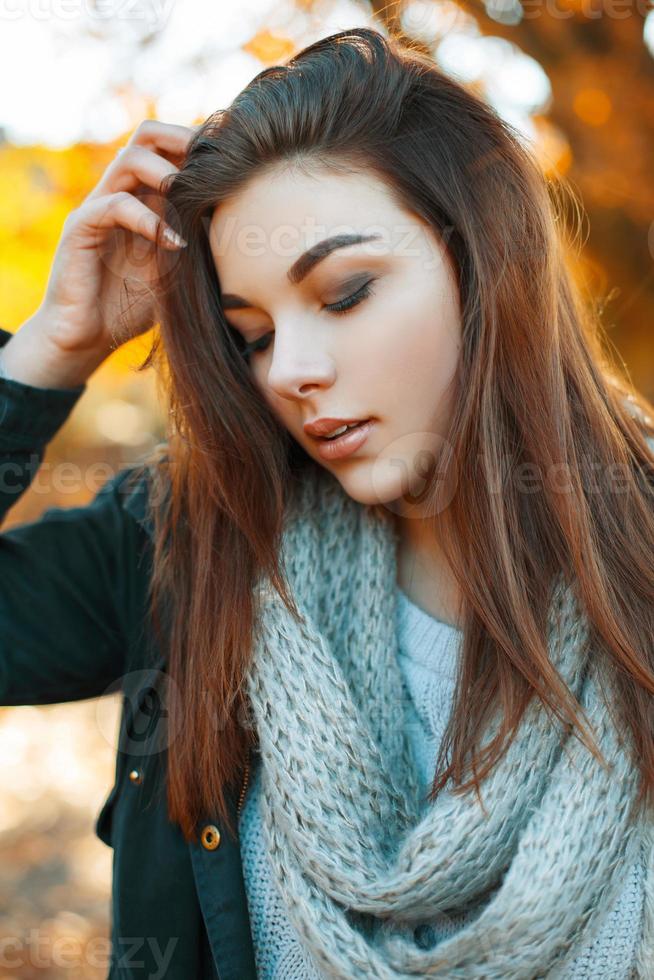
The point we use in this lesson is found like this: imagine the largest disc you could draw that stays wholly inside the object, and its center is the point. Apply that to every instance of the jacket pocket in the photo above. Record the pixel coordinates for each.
(140, 760)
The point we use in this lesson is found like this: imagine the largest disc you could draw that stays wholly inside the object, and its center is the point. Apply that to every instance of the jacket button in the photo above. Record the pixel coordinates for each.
(210, 837)
(136, 776)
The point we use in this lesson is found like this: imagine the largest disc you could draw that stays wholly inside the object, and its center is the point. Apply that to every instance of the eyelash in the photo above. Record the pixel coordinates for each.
(338, 309)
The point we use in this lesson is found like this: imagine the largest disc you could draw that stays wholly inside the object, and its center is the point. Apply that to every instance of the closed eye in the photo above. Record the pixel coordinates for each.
(343, 305)
(338, 308)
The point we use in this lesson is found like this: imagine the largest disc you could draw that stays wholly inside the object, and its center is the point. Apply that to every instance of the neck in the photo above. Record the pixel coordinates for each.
(423, 571)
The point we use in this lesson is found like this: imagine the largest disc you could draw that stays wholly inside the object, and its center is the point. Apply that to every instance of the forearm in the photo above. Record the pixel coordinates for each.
(30, 357)
(29, 418)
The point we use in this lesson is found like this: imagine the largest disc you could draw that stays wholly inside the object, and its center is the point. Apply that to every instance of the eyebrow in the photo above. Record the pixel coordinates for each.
(306, 262)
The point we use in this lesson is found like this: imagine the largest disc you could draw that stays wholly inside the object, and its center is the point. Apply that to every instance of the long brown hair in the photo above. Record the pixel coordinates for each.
(536, 387)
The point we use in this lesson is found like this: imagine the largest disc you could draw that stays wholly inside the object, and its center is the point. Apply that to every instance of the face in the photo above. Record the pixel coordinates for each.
(366, 330)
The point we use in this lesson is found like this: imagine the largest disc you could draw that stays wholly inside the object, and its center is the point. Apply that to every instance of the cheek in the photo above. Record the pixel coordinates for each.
(284, 411)
(417, 352)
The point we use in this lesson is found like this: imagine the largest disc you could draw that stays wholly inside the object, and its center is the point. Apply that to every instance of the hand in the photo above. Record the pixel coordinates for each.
(100, 290)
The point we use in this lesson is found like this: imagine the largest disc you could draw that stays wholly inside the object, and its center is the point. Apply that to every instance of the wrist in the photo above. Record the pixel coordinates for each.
(3, 371)
(31, 357)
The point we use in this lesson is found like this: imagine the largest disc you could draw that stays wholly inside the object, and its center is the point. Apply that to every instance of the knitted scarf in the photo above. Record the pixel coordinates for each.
(358, 854)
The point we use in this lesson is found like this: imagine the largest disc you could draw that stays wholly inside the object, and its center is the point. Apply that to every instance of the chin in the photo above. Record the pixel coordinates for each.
(367, 484)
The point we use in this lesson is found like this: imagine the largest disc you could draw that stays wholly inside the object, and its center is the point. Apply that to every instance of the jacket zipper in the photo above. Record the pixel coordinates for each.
(244, 786)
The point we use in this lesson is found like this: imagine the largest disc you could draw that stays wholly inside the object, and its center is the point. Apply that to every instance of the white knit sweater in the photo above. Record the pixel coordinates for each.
(428, 651)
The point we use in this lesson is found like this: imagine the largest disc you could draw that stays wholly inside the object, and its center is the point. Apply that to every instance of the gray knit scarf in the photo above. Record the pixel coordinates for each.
(359, 856)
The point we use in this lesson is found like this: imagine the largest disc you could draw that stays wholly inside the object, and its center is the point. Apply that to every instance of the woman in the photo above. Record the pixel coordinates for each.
(345, 618)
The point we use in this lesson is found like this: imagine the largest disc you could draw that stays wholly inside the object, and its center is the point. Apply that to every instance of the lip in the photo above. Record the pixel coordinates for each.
(346, 444)
(323, 426)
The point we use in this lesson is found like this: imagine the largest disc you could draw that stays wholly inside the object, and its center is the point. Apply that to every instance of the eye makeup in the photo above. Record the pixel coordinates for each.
(338, 308)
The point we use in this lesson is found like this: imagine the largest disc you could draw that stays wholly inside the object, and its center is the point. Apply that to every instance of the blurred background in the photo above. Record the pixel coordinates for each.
(576, 77)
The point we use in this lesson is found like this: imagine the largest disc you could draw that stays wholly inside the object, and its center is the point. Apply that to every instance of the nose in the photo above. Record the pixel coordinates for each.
(299, 365)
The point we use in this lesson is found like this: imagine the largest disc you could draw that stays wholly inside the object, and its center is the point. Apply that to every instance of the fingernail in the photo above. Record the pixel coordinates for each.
(174, 238)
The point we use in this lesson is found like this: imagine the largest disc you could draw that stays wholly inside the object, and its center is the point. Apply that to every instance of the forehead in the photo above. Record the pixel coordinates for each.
(280, 213)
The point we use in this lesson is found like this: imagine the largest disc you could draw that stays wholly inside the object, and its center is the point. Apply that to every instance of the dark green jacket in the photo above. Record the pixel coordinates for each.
(74, 625)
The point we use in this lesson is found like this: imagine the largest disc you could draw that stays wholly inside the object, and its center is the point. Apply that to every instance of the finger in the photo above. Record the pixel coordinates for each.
(126, 211)
(136, 166)
(169, 137)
